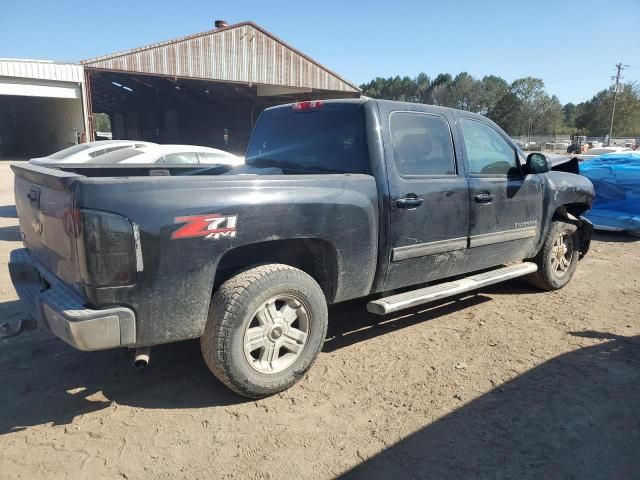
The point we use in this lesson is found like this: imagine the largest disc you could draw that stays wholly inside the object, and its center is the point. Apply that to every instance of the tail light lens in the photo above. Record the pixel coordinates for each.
(106, 248)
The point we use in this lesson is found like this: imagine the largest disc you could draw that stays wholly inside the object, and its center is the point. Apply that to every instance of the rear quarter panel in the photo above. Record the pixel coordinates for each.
(172, 292)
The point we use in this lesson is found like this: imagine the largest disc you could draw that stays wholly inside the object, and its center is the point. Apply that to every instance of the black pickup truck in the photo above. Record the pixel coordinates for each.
(402, 203)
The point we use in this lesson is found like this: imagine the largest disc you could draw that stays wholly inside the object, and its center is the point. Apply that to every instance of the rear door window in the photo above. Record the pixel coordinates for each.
(421, 144)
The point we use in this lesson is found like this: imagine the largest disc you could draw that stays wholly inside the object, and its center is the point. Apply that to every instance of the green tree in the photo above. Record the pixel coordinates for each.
(551, 118)
(491, 90)
(531, 97)
(463, 92)
(507, 113)
(520, 107)
(627, 118)
(439, 90)
(569, 111)
(423, 83)
(594, 116)
(101, 122)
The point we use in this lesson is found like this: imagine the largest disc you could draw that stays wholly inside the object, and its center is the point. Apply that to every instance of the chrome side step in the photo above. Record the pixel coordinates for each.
(410, 299)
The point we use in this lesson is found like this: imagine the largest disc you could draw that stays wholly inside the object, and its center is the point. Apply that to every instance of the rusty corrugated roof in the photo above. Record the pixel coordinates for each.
(243, 52)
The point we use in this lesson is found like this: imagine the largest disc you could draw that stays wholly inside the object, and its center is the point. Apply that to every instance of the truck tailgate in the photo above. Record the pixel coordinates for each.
(44, 200)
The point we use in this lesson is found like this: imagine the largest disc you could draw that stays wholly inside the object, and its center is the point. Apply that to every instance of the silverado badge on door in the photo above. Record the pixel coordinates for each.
(36, 224)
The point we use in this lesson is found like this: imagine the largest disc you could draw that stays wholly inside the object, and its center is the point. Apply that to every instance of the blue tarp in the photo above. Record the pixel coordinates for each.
(616, 178)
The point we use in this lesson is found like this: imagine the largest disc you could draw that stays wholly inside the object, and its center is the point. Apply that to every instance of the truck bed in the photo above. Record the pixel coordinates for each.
(177, 271)
(136, 170)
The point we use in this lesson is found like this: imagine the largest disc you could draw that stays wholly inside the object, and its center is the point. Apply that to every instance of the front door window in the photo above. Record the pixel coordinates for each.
(488, 153)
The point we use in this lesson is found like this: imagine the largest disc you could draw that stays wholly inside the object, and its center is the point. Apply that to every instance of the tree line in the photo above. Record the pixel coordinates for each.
(521, 107)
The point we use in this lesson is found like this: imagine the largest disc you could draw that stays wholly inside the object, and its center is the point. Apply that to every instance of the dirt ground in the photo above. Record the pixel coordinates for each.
(506, 383)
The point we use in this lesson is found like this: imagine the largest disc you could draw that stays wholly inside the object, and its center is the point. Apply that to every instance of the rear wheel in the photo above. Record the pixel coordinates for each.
(266, 327)
(557, 260)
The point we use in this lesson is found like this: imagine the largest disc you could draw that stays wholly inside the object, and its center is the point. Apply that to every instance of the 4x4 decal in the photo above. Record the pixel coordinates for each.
(212, 227)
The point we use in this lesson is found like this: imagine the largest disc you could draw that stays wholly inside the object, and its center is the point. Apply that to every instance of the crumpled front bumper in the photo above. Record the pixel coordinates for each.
(52, 303)
(586, 232)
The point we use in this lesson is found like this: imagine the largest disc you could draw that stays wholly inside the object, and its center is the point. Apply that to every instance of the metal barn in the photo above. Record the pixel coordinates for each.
(205, 89)
(41, 107)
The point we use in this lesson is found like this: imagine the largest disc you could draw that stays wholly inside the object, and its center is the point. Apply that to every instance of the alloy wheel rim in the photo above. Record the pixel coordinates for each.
(276, 335)
(561, 254)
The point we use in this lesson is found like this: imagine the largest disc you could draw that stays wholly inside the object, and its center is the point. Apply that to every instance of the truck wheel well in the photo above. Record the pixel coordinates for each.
(571, 210)
(315, 257)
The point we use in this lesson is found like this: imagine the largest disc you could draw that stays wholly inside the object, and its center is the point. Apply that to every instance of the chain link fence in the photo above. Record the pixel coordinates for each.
(560, 143)
(544, 143)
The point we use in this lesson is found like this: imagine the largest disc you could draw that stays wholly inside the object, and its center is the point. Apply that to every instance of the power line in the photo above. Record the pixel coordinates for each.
(578, 77)
(617, 78)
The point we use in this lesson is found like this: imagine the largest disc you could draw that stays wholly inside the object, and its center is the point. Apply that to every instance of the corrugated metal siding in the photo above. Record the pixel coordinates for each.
(42, 70)
(238, 54)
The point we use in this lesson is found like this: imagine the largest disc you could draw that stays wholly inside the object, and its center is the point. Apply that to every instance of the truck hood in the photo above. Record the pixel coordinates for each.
(564, 164)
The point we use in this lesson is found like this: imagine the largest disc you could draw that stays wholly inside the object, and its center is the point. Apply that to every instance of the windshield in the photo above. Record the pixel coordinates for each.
(329, 139)
(70, 151)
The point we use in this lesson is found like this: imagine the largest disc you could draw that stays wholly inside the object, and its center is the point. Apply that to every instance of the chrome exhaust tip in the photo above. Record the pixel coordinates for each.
(142, 357)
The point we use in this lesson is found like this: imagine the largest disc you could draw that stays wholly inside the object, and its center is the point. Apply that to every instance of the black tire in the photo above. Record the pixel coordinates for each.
(548, 277)
(233, 309)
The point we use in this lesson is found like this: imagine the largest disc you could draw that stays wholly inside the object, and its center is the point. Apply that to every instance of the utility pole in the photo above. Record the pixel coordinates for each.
(617, 78)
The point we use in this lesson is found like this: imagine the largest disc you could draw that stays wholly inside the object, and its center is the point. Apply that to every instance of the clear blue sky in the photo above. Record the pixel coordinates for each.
(572, 45)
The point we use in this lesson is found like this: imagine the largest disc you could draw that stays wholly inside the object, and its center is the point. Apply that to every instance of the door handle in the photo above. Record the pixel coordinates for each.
(409, 202)
(34, 196)
(484, 198)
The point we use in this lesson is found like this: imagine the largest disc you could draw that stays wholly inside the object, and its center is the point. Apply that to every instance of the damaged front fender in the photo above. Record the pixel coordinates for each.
(585, 229)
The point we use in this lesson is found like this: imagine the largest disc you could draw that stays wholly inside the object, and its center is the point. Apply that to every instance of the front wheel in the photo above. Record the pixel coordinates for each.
(266, 327)
(557, 260)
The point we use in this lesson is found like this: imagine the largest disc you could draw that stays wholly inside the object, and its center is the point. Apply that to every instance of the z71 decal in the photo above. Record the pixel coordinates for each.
(212, 227)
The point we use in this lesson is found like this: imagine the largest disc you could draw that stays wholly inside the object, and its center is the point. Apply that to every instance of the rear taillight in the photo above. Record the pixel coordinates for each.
(307, 106)
(106, 248)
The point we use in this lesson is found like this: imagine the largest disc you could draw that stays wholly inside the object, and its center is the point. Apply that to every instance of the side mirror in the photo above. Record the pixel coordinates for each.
(537, 163)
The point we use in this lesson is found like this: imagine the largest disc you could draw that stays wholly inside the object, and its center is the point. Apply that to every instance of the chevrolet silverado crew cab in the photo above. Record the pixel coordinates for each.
(341, 199)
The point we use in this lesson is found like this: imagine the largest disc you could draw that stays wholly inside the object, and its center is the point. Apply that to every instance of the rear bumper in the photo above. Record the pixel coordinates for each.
(52, 303)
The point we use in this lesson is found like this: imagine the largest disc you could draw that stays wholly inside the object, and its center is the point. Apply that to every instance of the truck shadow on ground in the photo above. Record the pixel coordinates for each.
(8, 211)
(10, 233)
(350, 322)
(49, 381)
(11, 310)
(575, 416)
(46, 381)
